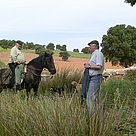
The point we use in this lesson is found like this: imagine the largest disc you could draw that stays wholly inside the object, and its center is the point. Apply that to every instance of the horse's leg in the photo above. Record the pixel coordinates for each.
(28, 92)
(0, 90)
(35, 90)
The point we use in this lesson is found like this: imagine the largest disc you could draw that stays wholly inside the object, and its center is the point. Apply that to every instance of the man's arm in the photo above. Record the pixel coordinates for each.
(14, 55)
(94, 67)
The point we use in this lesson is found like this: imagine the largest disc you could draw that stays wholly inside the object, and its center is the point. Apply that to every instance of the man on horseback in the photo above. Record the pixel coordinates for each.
(16, 63)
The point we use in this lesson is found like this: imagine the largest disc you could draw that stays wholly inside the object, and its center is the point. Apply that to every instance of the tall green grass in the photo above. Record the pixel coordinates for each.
(51, 115)
(126, 89)
(63, 79)
(2, 50)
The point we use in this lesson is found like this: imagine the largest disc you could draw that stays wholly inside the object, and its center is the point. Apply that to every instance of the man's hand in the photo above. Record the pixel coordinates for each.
(96, 67)
(86, 65)
(18, 62)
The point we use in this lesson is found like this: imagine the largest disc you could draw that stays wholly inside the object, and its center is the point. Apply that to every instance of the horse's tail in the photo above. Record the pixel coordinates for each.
(5, 76)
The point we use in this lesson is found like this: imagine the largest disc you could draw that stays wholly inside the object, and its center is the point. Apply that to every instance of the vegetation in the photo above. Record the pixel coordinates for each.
(40, 50)
(55, 115)
(79, 55)
(65, 55)
(50, 46)
(75, 50)
(73, 54)
(119, 45)
(131, 75)
(132, 2)
(85, 50)
(2, 50)
(8, 44)
(62, 79)
(63, 48)
(58, 47)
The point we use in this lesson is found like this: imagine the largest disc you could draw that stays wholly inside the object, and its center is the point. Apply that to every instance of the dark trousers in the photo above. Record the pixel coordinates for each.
(85, 85)
(12, 66)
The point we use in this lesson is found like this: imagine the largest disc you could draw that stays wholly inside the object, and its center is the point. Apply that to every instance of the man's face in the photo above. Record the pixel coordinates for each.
(92, 47)
(19, 46)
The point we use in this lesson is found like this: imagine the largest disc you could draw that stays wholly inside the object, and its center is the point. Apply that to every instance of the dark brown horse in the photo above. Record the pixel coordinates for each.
(32, 76)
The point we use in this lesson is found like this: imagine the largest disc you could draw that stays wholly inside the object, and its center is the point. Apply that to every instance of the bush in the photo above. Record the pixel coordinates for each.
(125, 88)
(40, 50)
(75, 50)
(65, 55)
(131, 75)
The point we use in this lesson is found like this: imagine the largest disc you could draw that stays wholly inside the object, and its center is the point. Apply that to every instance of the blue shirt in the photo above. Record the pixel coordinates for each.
(97, 58)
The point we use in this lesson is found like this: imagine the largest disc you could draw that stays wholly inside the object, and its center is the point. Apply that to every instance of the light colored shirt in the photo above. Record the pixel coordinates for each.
(97, 58)
(16, 55)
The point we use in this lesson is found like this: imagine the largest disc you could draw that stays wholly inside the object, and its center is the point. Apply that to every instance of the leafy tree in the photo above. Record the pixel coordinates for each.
(63, 48)
(132, 2)
(65, 55)
(38, 45)
(30, 45)
(5, 44)
(11, 43)
(58, 47)
(40, 50)
(50, 46)
(85, 50)
(75, 50)
(119, 45)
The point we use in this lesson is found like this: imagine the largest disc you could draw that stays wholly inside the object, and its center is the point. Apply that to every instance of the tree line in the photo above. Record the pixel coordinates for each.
(39, 49)
(118, 46)
(8, 44)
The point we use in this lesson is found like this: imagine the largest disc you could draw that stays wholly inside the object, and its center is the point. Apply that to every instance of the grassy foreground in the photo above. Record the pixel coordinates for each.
(64, 116)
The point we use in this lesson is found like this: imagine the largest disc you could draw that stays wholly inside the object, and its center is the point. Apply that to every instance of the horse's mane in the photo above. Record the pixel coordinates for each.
(35, 60)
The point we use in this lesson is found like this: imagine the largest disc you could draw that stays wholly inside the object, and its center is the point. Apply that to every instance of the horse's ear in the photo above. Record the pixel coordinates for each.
(47, 53)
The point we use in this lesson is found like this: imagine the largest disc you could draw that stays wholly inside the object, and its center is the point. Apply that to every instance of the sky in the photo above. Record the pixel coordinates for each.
(70, 22)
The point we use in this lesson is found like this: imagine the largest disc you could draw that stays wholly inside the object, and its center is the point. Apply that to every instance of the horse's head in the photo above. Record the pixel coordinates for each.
(48, 62)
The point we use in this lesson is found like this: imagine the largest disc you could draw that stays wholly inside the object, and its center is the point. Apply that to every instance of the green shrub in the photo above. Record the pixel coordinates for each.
(125, 87)
(131, 75)
(40, 50)
(65, 55)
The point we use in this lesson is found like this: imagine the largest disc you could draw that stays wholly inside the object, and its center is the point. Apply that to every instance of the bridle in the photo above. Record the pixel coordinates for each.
(43, 62)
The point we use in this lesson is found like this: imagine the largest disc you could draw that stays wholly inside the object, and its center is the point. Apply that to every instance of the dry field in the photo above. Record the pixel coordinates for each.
(72, 63)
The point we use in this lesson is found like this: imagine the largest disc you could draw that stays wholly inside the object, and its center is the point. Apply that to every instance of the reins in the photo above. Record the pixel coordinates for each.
(36, 70)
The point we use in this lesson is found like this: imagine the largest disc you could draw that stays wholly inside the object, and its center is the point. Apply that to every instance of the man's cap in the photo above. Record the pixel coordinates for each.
(19, 42)
(94, 42)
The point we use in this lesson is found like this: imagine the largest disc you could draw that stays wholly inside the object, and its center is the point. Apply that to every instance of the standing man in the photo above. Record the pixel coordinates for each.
(96, 67)
(17, 63)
